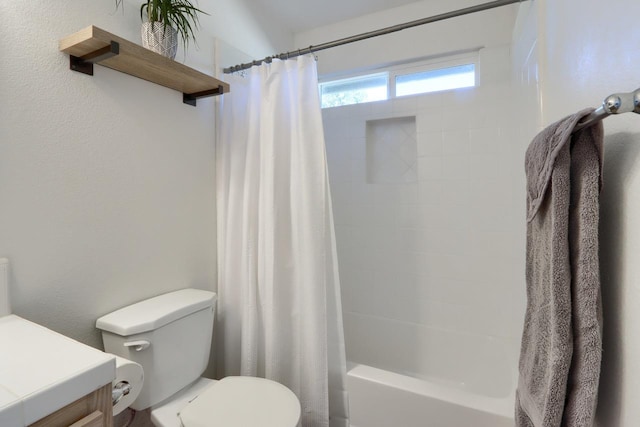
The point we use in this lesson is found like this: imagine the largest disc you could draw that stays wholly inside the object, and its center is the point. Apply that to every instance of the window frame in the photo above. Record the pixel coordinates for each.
(356, 77)
(414, 67)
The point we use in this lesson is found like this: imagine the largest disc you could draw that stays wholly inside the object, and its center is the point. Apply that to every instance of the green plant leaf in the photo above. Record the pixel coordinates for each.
(180, 14)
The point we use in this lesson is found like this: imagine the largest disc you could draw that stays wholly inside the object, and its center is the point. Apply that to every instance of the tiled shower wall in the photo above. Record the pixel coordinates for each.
(431, 243)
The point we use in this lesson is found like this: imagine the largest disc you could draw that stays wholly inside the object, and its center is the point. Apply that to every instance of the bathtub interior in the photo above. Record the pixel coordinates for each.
(475, 363)
(379, 398)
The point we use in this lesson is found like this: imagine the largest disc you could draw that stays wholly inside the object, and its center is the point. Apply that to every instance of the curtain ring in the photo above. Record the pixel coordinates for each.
(311, 52)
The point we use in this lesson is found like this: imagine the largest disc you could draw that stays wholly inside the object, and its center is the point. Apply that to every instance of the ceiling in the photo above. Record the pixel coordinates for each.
(301, 15)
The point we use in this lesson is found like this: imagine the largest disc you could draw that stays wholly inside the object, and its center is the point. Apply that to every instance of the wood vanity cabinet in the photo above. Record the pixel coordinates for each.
(92, 410)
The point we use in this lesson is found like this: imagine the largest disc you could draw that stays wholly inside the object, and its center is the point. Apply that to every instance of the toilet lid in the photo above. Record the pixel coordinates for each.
(242, 402)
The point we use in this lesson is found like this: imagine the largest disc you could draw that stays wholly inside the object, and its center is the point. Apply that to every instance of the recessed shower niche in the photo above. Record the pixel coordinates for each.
(392, 153)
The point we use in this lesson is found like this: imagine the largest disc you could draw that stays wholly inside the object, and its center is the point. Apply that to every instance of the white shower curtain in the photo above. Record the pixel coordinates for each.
(279, 311)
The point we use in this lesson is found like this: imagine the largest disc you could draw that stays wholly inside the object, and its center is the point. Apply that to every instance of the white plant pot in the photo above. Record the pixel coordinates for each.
(160, 39)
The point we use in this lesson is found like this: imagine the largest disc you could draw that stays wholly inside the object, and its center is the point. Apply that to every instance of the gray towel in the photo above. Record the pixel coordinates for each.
(562, 339)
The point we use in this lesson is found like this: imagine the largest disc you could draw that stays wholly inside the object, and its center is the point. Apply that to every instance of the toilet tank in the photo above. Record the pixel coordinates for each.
(169, 335)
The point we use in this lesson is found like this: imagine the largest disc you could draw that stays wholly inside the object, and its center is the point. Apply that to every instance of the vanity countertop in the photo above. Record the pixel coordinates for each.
(42, 371)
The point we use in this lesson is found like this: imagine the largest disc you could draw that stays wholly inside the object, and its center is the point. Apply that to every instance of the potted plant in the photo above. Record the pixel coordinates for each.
(163, 21)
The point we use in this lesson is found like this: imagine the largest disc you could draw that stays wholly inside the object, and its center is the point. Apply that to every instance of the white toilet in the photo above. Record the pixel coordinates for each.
(170, 336)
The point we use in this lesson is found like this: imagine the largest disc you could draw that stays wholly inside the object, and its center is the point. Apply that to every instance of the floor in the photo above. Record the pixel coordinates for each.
(141, 419)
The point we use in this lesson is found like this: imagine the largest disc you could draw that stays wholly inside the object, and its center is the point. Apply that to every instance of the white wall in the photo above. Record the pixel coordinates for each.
(586, 51)
(432, 269)
(488, 28)
(106, 182)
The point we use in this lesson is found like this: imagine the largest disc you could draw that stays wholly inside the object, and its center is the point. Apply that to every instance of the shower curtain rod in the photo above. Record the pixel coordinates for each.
(617, 103)
(370, 34)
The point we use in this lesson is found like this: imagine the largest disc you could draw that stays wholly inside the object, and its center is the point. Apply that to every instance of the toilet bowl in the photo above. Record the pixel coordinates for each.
(170, 336)
(232, 401)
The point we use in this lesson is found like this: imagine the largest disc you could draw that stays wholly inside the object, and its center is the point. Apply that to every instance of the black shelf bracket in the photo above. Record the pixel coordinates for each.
(191, 98)
(85, 63)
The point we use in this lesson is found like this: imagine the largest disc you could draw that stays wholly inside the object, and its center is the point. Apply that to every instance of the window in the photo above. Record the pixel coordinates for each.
(436, 80)
(372, 87)
(454, 72)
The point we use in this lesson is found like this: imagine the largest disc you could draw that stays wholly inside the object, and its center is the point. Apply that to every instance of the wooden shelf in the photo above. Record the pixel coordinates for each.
(94, 45)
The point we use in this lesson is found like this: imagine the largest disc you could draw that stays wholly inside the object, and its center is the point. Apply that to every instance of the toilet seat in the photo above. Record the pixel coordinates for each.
(243, 401)
(165, 414)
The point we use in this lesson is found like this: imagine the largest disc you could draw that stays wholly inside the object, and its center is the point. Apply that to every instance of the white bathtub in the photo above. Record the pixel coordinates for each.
(379, 398)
